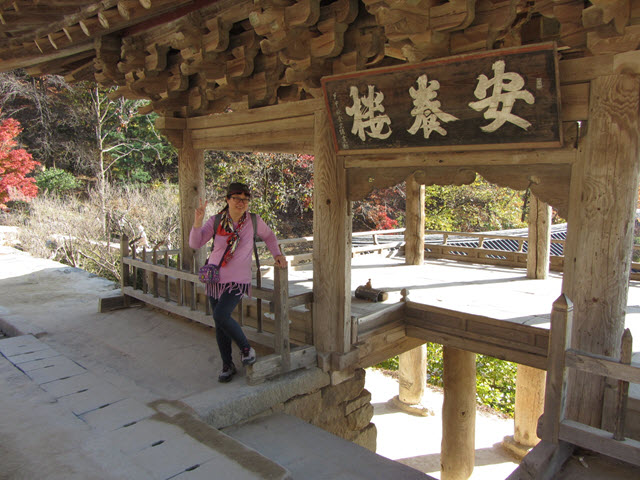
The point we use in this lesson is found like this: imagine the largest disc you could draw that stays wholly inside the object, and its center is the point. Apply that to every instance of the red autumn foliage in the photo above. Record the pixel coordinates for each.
(15, 164)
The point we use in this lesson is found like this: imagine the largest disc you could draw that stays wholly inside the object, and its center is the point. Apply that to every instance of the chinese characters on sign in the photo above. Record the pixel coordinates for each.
(508, 98)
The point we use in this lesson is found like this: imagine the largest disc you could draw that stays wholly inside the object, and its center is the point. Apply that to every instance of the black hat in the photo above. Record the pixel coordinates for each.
(238, 188)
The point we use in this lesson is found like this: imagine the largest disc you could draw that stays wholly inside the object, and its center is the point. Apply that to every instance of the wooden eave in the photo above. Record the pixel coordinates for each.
(197, 57)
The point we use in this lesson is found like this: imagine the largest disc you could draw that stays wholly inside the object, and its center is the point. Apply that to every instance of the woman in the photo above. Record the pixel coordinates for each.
(232, 249)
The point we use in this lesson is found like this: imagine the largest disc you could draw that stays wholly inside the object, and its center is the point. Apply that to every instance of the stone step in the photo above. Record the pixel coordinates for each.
(313, 454)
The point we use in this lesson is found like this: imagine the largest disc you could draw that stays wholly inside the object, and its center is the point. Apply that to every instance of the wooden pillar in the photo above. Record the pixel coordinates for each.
(191, 185)
(412, 374)
(529, 405)
(414, 223)
(602, 203)
(412, 365)
(331, 245)
(539, 242)
(457, 456)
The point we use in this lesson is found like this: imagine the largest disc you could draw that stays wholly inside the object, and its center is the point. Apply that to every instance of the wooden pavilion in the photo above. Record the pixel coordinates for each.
(315, 76)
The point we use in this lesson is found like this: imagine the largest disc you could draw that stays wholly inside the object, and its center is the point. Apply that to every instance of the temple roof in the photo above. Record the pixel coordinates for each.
(194, 57)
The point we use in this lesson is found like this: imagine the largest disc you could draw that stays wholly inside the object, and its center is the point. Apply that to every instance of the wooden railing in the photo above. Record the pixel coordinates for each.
(155, 277)
(555, 427)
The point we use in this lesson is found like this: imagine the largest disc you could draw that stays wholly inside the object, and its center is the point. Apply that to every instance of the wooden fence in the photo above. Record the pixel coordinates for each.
(156, 278)
(555, 427)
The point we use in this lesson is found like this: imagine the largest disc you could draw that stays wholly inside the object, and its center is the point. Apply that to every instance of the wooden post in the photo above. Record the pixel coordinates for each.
(191, 185)
(414, 223)
(331, 245)
(412, 374)
(539, 244)
(529, 405)
(281, 314)
(125, 272)
(561, 323)
(412, 365)
(457, 456)
(623, 387)
(602, 203)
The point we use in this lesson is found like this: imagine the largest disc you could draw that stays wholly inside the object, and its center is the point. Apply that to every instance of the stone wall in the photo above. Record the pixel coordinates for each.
(343, 409)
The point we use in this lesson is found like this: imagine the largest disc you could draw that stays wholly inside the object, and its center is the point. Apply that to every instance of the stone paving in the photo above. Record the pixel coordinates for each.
(124, 436)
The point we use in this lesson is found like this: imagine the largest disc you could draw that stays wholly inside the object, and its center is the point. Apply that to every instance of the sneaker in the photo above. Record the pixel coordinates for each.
(228, 371)
(248, 356)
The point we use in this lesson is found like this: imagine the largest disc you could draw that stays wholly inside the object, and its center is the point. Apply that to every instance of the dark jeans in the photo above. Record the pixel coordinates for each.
(227, 329)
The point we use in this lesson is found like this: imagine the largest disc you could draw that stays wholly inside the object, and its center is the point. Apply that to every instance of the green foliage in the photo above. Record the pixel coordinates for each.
(389, 364)
(480, 206)
(495, 379)
(56, 181)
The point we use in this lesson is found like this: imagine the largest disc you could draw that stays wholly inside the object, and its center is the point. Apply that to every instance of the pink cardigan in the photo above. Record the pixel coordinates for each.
(238, 269)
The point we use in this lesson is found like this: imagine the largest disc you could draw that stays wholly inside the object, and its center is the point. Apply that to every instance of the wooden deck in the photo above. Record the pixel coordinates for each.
(484, 308)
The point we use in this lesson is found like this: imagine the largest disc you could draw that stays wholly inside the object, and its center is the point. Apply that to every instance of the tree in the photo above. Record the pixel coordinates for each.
(15, 165)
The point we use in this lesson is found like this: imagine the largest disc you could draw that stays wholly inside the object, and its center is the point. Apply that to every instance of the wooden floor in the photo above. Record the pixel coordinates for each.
(499, 293)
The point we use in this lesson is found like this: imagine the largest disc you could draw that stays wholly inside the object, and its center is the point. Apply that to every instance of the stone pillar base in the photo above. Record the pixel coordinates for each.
(514, 448)
(416, 409)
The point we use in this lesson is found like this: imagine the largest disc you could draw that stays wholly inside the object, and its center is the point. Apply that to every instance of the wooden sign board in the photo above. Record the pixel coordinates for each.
(498, 99)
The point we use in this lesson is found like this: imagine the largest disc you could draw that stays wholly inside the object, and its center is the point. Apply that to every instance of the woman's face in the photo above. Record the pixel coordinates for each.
(238, 204)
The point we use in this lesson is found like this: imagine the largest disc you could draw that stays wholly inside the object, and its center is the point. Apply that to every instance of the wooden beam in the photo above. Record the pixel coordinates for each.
(627, 450)
(257, 115)
(565, 155)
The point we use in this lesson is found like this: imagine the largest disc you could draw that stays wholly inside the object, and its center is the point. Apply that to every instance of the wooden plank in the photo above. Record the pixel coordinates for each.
(257, 115)
(272, 127)
(374, 321)
(395, 107)
(426, 316)
(292, 141)
(173, 273)
(601, 441)
(171, 123)
(544, 461)
(575, 101)
(453, 159)
(601, 365)
(108, 304)
(502, 352)
(300, 299)
(584, 69)
(271, 365)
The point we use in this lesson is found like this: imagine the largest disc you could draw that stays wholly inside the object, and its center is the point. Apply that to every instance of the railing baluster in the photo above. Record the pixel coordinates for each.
(135, 269)
(154, 275)
(194, 293)
(180, 293)
(623, 387)
(145, 285)
(281, 311)
(167, 289)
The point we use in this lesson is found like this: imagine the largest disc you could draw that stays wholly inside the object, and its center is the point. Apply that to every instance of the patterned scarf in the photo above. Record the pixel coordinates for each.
(226, 229)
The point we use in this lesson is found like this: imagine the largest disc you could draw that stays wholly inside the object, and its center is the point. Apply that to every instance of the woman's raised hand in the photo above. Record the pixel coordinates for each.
(199, 215)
